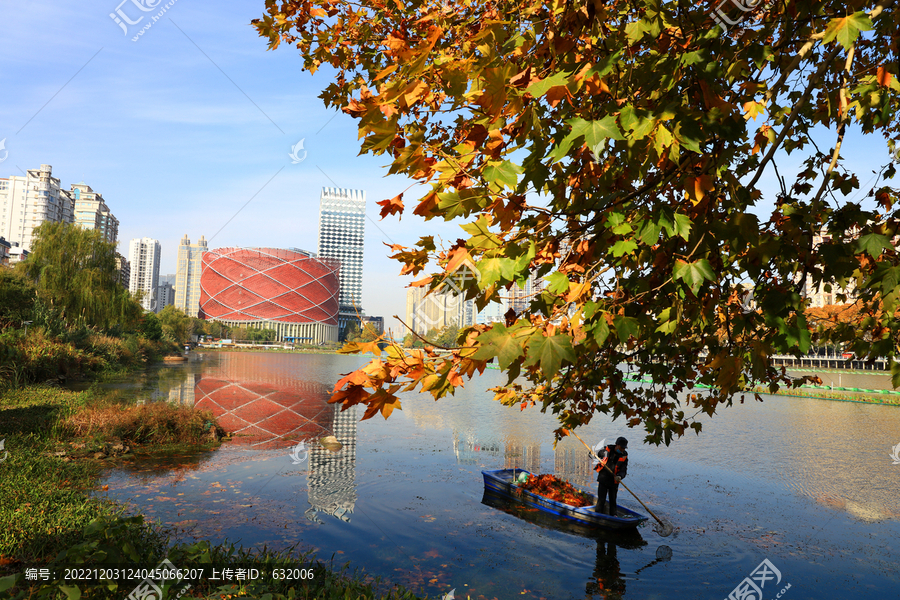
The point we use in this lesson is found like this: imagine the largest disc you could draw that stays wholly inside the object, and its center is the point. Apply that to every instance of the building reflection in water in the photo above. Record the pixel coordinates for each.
(472, 452)
(332, 475)
(263, 406)
(522, 456)
(183, 392)
(267, 406)
(573, 463)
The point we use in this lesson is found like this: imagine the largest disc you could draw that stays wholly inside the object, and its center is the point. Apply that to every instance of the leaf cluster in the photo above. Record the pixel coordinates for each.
(616, 151)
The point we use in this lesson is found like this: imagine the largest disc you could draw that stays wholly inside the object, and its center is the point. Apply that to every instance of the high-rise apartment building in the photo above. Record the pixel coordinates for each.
(437, 310)
(91, 212)
(165, 293)
(143, 254)
(27, 202)
(342, 221)
(124, 268)
(187, 278)
(520, 298)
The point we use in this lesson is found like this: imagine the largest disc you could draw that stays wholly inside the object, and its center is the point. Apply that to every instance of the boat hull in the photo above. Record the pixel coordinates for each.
(500, 481)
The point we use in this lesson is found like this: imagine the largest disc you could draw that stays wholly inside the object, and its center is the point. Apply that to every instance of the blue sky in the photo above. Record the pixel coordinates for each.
(176, 145)
(180, 129)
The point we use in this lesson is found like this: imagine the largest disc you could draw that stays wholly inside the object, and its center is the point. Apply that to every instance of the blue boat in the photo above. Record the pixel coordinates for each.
(502, 481)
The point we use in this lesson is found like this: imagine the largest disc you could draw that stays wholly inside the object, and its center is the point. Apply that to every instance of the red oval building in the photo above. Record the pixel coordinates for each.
(289, 291)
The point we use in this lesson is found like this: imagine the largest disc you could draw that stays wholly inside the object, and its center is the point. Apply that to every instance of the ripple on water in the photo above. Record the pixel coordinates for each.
(787, 479)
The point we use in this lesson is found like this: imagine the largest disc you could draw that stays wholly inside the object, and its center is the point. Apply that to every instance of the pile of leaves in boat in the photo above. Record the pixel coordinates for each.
(549, 486)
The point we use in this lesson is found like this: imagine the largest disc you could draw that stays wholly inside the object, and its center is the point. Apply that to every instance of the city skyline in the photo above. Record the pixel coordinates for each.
(196, 127)
(177, 145)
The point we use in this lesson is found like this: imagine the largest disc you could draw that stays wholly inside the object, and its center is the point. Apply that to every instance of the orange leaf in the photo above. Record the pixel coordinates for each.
(454, 379)
(388, 407)
(427, 206)
(883, 77)
(391, 206)
(696, 187)
(457, 256)
(351, 396)
(413, 92)
(351, 379)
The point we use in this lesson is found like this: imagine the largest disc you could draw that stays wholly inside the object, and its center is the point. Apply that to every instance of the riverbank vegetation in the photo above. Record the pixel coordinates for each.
(64, 313)
(56, 444)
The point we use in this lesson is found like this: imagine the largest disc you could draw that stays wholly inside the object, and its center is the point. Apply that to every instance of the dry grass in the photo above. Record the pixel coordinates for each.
(152, 423)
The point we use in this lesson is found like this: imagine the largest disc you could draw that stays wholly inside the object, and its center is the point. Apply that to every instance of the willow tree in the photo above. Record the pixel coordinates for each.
(75, 273)
(617, 150)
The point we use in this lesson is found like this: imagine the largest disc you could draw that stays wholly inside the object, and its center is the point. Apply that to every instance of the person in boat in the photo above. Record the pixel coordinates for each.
(616, 458)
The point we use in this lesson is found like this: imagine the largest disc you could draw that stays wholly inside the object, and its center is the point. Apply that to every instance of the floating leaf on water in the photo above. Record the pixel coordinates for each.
(331, 443)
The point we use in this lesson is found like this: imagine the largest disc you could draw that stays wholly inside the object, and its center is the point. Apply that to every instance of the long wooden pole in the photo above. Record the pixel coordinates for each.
(591, 450)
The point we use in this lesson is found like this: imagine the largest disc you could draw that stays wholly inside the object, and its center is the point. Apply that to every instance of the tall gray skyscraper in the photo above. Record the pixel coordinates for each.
(342, 224)
(143, 254)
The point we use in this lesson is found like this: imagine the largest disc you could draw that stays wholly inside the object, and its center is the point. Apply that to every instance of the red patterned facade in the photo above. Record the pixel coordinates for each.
(246, 285)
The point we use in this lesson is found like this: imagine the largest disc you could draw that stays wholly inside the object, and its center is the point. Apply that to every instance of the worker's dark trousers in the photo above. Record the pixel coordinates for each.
(605, 489)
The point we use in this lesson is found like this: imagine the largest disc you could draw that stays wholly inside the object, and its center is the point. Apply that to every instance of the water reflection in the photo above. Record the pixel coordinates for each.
(182, 391)
(263, 405)
(414, 497)
(332, 475)
(472, 452)
(574, 464)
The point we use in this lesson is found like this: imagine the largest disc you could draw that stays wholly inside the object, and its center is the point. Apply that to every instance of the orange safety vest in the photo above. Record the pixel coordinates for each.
(617, 465)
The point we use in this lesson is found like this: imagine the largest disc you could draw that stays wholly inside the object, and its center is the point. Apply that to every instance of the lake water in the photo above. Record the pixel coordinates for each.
(806, 484)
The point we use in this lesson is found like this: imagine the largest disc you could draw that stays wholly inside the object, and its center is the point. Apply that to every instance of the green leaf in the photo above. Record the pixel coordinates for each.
(667, 324)
(500, 342)
(622, 229)
(626, 327)
(8, 581)
(600, 329)
(649, 233)
(804, 336)
(688, 133)
(71, 591)
(890, 280)
(605, 65)
(595, 134)
(502, 174)
(543, 86)
(524, 261)
(873, 244)
(597, 131)
(623, 247)
(557, 283)
(846, 29)
(490, 272)
(694, 273)
(895, 383)
(550, 352)
(482, 237)
(667, 328)
(636, 121)
(682, 227)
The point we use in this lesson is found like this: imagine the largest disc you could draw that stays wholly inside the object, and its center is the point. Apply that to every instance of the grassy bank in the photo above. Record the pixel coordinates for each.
(822, 393)
(887, 397)
(36, 357)
(56, 445)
